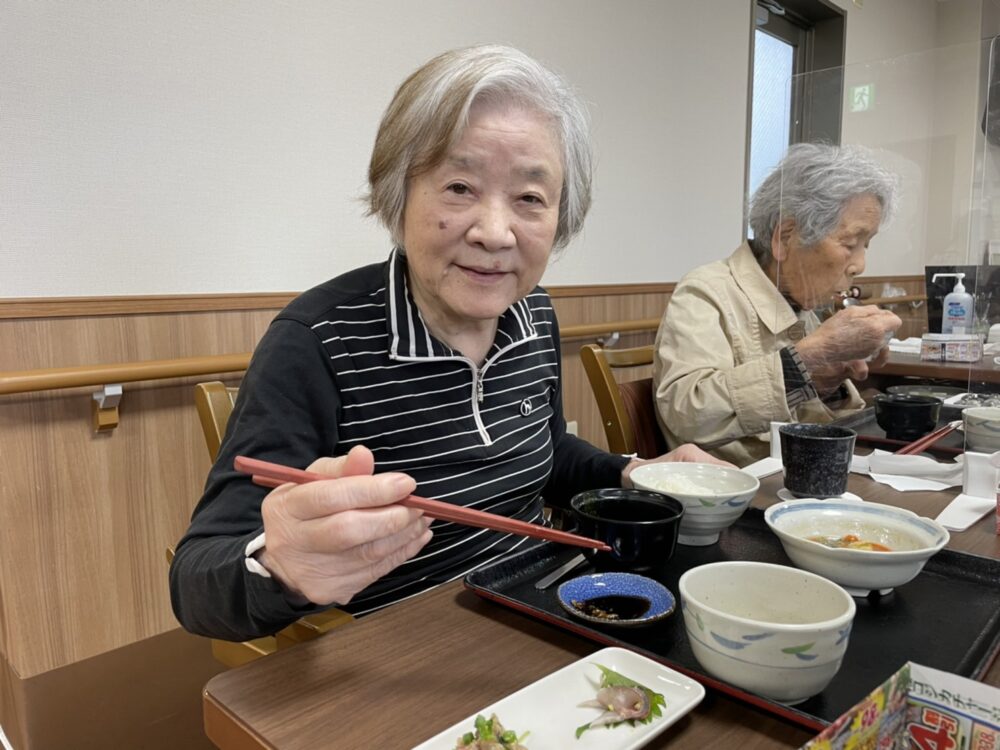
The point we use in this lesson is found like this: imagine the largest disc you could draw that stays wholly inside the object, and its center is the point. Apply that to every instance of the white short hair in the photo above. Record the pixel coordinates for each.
(810, 186)
(430, 111)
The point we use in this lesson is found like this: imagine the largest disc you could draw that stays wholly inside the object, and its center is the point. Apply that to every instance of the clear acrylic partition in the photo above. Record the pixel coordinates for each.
(927, 118)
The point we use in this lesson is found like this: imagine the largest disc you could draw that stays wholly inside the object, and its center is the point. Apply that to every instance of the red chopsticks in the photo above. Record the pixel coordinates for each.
(921, 444)
(272, 475)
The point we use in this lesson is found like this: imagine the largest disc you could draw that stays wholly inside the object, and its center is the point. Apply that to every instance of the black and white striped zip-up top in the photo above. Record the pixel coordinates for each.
(350, 363)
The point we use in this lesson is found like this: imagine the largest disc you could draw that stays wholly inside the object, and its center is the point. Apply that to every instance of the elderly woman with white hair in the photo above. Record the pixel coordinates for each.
(435, 372)
(739, 345)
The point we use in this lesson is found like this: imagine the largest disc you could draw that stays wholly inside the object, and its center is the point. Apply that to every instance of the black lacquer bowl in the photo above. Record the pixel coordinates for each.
(641, 527)
(906, 417)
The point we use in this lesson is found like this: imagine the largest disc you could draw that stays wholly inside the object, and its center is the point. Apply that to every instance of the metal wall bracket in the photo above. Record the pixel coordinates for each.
(607, 342)
(104, 407)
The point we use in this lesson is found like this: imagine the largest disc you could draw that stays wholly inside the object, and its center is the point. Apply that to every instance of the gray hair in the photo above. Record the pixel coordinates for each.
(430, 112)
(810, 186)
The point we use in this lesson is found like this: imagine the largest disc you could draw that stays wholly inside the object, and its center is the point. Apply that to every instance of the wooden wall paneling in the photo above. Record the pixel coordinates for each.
(83, 307)
(601, 308)
(578, 399)
(88, 516)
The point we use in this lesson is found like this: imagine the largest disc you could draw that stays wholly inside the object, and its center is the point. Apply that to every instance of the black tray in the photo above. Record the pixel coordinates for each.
(948, 617)
(869, 433)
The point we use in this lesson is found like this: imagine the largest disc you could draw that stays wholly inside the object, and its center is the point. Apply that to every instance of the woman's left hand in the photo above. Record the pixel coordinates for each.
(689, 452)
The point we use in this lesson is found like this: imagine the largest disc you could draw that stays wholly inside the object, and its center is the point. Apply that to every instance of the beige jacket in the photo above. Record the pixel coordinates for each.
(717, 367)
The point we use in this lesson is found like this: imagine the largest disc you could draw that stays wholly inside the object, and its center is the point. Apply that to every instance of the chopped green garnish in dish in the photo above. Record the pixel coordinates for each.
(490, 735)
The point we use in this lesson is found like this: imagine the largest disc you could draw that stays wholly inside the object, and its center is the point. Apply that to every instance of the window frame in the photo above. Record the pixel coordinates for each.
(816, 30)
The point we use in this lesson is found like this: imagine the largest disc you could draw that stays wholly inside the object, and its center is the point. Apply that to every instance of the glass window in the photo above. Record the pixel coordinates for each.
(791, 38)
(774, 61)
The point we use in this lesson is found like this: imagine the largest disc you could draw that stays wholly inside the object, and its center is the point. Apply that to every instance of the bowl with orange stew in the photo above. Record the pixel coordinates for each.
(862, 546)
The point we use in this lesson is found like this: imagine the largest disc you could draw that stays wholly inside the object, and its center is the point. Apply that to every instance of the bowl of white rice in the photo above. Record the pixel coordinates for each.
(713, 496)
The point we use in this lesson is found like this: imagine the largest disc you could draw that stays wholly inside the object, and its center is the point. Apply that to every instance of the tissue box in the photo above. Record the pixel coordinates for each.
(919, 708)
(951, 347)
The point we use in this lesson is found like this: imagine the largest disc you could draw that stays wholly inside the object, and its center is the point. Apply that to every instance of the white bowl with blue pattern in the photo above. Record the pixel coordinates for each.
(713, 496)
(912, 540)
(773, 630)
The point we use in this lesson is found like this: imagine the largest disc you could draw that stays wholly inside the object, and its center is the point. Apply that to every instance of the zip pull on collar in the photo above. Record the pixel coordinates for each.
(479, 385)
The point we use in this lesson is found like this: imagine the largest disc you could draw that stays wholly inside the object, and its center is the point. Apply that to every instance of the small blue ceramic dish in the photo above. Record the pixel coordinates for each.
(616, 599)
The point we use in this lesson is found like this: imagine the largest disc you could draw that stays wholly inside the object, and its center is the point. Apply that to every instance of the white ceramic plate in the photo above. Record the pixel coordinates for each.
(549, 709)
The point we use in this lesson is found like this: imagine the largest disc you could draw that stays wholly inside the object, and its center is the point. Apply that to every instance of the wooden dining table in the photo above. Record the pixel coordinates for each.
(399, 676)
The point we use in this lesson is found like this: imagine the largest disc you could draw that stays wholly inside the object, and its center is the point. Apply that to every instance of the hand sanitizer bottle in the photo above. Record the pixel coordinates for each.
(957, 313)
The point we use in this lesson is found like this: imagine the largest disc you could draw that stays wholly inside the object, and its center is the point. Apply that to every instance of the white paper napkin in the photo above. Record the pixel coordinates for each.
(764, 468)
(964, 511)
(909, 473)
(924, 473)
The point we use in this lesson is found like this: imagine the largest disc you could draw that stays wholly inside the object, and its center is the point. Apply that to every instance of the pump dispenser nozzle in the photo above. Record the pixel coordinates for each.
(959, 286)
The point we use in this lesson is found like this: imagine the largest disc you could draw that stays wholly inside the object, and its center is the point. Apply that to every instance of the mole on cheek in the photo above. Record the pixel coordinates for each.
(442, 224)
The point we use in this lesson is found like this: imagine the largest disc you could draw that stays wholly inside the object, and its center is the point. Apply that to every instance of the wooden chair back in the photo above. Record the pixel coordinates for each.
(627, 409)
(214, 401)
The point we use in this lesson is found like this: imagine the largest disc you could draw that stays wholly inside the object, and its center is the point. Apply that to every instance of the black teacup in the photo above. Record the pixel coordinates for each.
(817, 458)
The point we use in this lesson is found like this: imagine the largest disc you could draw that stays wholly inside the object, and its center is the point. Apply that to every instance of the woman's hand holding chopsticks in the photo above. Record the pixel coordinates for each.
(326, 541)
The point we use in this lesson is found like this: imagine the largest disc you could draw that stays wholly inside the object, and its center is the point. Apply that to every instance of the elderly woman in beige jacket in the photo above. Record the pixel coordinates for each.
(740, 346)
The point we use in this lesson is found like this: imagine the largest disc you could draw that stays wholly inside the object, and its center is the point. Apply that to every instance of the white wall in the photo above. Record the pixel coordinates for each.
(199, 147)
(192, 147)
(922, 56)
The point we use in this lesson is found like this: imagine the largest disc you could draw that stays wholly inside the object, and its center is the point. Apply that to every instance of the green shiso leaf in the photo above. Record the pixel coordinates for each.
(611, 678)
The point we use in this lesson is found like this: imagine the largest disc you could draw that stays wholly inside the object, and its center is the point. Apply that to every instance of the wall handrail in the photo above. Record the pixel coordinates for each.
(28, 381)
(589, 330)
(894, 300)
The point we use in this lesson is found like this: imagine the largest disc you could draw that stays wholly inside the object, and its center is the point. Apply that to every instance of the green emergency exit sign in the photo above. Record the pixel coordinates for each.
(862, 97)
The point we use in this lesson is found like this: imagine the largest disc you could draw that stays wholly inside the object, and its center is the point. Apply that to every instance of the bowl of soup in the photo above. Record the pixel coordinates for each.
(862, 546)
(713, 496)
(640, 527)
